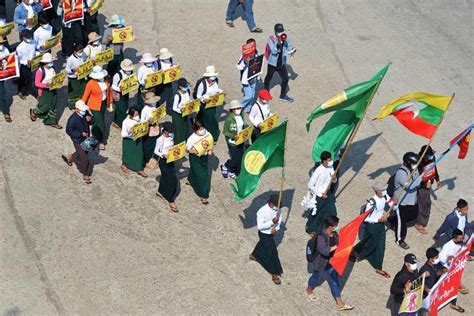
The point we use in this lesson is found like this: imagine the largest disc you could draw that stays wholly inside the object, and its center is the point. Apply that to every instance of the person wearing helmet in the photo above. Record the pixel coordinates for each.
(407, 201)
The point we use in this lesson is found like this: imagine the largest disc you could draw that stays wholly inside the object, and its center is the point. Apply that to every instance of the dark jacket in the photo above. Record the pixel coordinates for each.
(450, 224)
(323, 249)
(435, 274)
(398, 285)
(76, 125)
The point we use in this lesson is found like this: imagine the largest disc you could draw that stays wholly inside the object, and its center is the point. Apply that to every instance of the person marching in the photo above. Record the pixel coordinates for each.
(75, 86)
(326, 244)
(93, 46)
(168, 181)
(121, 100)
(180, 123)
(266, 252)
(91, 23)
(372, 245)
(72, 33)
(78, 128)
(434, 269)
(42, 33)
(116, 22)
(233, 125)
(249, 87)
(4, 107)
(199, 177)
(46, 108)
(149, 66)
(424, 195)
(207, 86)
(25, 51)
(165, 90)
(24, 14)
(132, 150)
(260, 112)
(318, 185)
(149, 141)
(402, 282)
(98, 97)
(457, 219)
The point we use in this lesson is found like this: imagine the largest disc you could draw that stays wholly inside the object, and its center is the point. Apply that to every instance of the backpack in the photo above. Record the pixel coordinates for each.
(311, 251)
(196, 87)
(43, 75)
(267, 47)
(391, 182)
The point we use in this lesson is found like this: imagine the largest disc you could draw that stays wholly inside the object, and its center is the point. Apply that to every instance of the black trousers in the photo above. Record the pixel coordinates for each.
(283, 72)
(24, 82)
(405, 214)
(4, 108)
(71, 37)
(81, 159)
(236, 153)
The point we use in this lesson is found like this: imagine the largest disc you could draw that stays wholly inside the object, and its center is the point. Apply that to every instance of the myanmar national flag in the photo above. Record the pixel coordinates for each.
(267, 152)
(419, 112)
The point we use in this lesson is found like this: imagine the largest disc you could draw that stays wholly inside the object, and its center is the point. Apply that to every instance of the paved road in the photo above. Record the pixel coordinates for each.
(112, 248)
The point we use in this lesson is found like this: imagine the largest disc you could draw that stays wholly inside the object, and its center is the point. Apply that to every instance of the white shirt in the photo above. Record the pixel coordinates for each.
(144, 71)
(25, 52)
(41, 35)
(461, 221)
(103, 88)
(146, 112)
(178, 106)
(193, 139)
(211, 90)
(31, 13)
(72, 63)
(320, 179)
(239, 121)
(265, 216)
(162, 145)
(166, 64)
(91, 51)
(4, 51)
(116, 81)
(449, 249)
(127, 124)
(255, 115)
(378, 209)
(48, 75)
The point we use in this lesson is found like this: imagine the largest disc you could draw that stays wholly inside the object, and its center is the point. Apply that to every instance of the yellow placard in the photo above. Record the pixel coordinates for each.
(33, 21)
(157, 114)
(215, 100)
(104, 57)
(172, 74)
(154, 79)
(191, 107)
(122, 35)
(84, 69)
(6, 29)
(35, 62)
(244, 135)
(129, 84)
(140, 130)
(53, 41)
(176, 152)
(95, 6)
(269, 123)
(58, 80)
(204, 144)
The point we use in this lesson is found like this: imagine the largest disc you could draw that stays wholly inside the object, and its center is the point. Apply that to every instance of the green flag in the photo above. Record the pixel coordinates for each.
(349, 107)
(266, 153)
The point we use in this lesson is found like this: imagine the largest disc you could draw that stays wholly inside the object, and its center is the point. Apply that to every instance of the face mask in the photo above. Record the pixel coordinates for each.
(330, 164)
(336, 229)
(264, 102)
(102, 80)
(153, 105)
(30, 2)
(275, 208)
(136, 118)
(96, 43)
(28, 40)
(171, 135)
(384, 192)
(413, 266)
(50, 65)
(166, 61)
(214, 78)
(412, 166)
(436, 261)
(238, 112)
(128, 73)
(149, 65)
(83, 112)
(45, 26)
(201, 132)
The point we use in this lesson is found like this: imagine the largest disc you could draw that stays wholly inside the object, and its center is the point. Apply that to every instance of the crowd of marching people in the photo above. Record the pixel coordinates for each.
(403, 199)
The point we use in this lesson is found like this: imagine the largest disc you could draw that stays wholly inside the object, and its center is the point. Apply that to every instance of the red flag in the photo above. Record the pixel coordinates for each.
(347, 236)
(463, 143)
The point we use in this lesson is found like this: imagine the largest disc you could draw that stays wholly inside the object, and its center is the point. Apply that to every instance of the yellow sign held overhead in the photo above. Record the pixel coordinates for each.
(176, 152)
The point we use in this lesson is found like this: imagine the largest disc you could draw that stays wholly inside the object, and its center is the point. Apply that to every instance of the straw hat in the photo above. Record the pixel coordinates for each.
(235, 104)
(127, 65)
(46, 58)
(81, 105)
(93, 36)
(116, 20)
(148, 58)
(3, 39)
(210, 72)
(98, 73)
(151, 97)
(165, 53)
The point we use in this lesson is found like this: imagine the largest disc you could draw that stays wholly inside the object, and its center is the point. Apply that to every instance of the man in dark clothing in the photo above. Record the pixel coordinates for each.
(402, 282)
(457, 219)
(434, 269)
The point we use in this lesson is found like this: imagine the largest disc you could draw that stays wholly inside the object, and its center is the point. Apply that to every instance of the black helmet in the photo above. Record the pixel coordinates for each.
(410, 158)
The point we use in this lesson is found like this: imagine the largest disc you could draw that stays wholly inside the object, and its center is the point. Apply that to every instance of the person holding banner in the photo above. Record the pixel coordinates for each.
(434, 269)
(233, 125)
(71, 28)
(180, 122)
(121, 100)
(207, 86)
(75, 86)
(149, 141)
(97, 96)
(165, 90)
(25, 15)
(42, 33)
(260, 112)
(25, 52)
(46, 108)
(91, 23)
(116, 22)
(93, 46)
(249, 86)
(168, 181)
(4, 107)
(199, 147)
(132, 150)
(326, 244)
(402, 282)
(149, 66)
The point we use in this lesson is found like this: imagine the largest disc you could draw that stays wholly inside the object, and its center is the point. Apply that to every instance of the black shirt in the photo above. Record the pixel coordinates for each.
(398, 285)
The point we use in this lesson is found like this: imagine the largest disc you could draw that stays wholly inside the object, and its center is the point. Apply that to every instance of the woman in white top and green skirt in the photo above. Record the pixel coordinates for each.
(132, 150)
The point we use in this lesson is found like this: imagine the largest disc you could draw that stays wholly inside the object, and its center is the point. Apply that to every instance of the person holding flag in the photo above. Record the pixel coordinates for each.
(372, 245)
(402, 282)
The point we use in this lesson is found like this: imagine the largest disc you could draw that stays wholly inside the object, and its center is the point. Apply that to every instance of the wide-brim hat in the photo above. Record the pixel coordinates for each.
(210, 72)
(127, 65)
(379, 186)
(235, 104)
(98, 73)
(3, 39)
(116, 20)
(151, 97)
(148, 58)
(47, 58)
(165, 54)
(93, 36)
(81, 105)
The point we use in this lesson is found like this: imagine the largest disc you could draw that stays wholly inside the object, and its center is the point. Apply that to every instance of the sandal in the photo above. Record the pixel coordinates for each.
(115, 125)
(383, 273)
(8, 118)
(311, 296)
(56, 126)
(124, 169)
(257, 30)
(463, 290)
(276, 279)
(66, 160)
(457, 308)
(173, 207)
(33, 116)
(204, 201)
(101, 146)
(230, 23)
(158, 194)
(142, 174)
(345, 308)
(421, 229)
(87, 180)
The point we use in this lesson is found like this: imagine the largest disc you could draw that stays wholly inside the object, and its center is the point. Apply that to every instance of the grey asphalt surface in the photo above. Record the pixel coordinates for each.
(112, 248)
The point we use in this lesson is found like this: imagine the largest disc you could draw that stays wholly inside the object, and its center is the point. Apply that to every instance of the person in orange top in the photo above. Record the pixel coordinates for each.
(98, 97)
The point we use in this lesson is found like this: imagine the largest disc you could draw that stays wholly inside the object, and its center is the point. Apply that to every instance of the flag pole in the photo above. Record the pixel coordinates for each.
(410, 178)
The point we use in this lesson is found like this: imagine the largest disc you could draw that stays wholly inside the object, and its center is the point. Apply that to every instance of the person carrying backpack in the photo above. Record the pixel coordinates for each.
(276, 52)
(121, 101)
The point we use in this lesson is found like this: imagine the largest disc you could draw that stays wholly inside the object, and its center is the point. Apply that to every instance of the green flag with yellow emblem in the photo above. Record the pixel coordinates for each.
(267, 152)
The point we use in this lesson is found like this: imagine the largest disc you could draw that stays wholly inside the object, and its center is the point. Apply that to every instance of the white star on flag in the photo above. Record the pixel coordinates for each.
(413, 106)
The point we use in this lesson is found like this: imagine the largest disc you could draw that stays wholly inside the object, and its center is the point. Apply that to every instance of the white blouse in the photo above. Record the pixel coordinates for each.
(193, 139)
(103, 88)
(127, 124)
(146, 113)
(178, 107)
(162, 145)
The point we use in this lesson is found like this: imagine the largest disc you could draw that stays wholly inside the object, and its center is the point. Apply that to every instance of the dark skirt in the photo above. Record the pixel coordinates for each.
(98, 127)
(266, 254)
(121, 108)
(165, 91)
(236, 152)
(46, 108)
(140, 104)
(132, 154)
(327, 207)
(372, 246)
(114, 65)
(180, 127)
(75, 90)
(424, 207)
(199, 177)
(149, 144)
(209, 120)
(168, 181)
